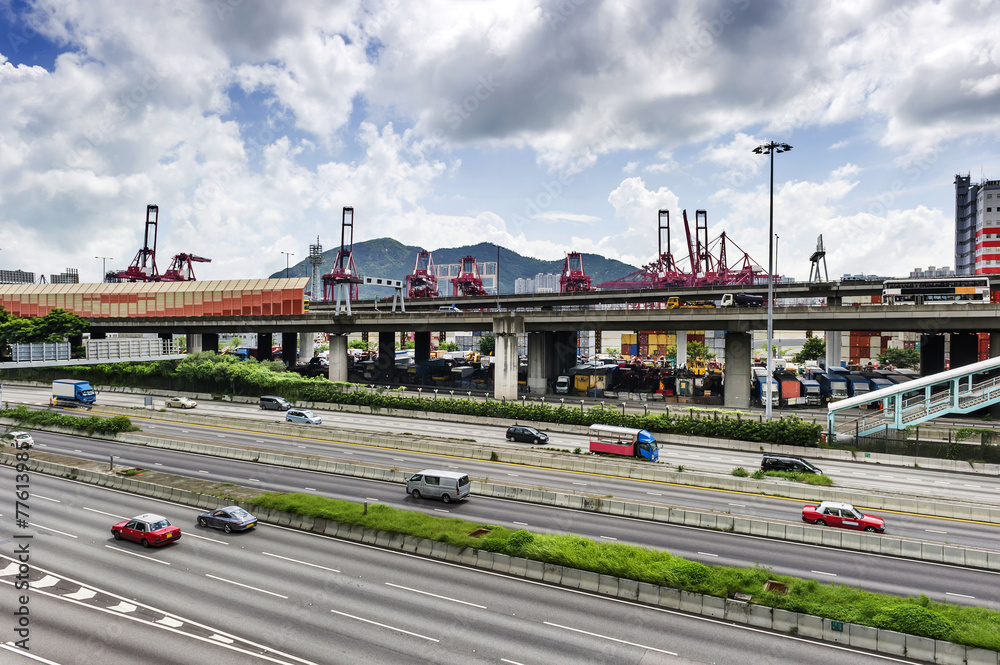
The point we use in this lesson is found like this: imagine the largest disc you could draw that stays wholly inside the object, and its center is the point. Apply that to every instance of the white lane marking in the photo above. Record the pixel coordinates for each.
(157, 464)
(521, 523)
(77, 451)
(512, 474)
(45, 582)
(226, 640)
(101, 512)
(512, 662)
(311, 489)
(576, 483)
(397, 459)
(959, 595)
(83, 594)
(200, 471)
(885, 476)
(259, 440)
(304, 563)
(739, 505)
(935, 531)
(9, 570)
(61, 533)
(941, 482)
(707, 554)
(859, 473)
(344, 453)
(612, 639)
(452, 466)
(382, 625)
(368, 498)
(654, 493)
(967, 485)
(188, 534)
(820, 572)
(39, 496)
(123, 607)
(221, 436)
(434, 595)
(608, 538)
(246, 586)
(442, 510)
(9, 646)
(186, 431)
(141, 556)
(167, 621)
(253, 480)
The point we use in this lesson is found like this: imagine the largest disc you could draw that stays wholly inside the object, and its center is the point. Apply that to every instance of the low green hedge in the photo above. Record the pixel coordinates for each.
(23, 416)
(970, 626)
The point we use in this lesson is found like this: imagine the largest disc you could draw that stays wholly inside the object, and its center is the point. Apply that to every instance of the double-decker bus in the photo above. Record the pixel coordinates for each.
(936, 291)
(626, 441)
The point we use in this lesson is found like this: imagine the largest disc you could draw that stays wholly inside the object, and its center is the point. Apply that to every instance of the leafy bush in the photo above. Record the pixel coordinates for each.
(740, 472)
(89, 424)
(914, 620)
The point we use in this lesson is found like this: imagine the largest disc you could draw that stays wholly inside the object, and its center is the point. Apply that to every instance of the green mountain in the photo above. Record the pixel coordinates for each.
(391, 259)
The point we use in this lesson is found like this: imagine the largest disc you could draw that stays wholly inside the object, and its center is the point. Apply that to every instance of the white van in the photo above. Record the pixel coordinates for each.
(562, 385)
(434, 484)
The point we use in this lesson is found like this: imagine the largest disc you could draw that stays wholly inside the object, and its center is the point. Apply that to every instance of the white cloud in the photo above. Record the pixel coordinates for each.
(630, 167)
(559, 215)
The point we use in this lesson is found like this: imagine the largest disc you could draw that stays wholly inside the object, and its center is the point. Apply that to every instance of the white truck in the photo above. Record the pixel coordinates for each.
(562, 385)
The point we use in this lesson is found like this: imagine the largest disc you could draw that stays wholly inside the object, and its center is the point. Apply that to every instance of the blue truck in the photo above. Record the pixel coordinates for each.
(72, 392)
(832, 386)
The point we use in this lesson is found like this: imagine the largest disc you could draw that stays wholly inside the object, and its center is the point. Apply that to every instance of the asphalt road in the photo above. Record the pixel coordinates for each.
(876, 573)
(969, 487)
(279, 596)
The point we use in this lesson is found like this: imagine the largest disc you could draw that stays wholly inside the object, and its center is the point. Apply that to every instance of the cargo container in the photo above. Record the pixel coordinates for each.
(72, 392)
(790, 389)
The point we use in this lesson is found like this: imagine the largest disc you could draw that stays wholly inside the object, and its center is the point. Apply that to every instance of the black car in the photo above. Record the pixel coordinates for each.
(774, 462)
(526, 434)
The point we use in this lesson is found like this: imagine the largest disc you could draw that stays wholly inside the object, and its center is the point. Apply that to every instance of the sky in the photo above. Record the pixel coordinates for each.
(544, 126)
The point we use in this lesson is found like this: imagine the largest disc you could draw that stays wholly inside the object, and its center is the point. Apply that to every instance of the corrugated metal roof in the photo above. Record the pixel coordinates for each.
(155, 287)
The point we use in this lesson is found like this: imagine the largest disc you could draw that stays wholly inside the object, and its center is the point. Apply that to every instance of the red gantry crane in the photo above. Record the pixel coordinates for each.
(143, 266)
(468, 282)
(422, 282)
(573, 277)
(706, 267)
(343, 279)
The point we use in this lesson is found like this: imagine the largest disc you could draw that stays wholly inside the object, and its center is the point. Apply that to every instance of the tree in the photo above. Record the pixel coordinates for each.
(58, 325)
(813, 349)
(358, 344)
(487, 345)
(696, 349)
(900, 358)
(448, 346)
(613, 352)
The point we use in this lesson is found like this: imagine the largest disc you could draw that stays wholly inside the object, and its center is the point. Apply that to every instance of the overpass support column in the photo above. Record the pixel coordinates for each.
(564, 351)
(421, 347)
(737, 370)
(264, 344)
(538, 362)
(931, 354)
(194, 343)
(682, 348)
(386, 362)
(833, 348)
(306, 346)
(289, 352)
(338, 358)
(964, 349)
(210, 342)
(505, 332)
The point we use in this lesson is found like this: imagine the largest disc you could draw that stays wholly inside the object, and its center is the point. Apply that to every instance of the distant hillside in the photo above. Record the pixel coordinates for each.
(385, 257)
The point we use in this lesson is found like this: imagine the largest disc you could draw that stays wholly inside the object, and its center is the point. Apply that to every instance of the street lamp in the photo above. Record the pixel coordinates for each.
(770, 148)
(287, 256)
(104, 265)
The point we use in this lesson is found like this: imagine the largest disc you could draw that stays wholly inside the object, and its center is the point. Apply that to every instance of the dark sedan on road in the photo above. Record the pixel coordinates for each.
(148, 529)
(229, 519)
(526, 434)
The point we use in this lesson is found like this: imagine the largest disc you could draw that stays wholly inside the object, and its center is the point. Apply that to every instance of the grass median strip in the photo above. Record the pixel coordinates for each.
(970, 626)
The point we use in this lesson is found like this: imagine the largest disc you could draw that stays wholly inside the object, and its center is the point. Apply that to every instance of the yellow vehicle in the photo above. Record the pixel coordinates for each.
(673, 302)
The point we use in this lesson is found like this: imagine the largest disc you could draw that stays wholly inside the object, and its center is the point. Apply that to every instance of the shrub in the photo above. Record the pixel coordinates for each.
(740, 472)
(915, 620)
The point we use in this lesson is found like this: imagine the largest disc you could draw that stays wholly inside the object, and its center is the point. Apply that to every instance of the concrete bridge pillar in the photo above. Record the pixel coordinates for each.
(306, 346)
(264, 344)
(338, 358)
(931, 354)
(193, 343)
(563, 351)
(505, 331)
(386, 361)
(210, 342)
(539, 346)
(289, 352)
(421, 347)
(964, 349)
(737, 371)
(682, 348)
(833, 348)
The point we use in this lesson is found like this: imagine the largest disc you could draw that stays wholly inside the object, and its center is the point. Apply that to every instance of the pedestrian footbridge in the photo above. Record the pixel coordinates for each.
(959, 390)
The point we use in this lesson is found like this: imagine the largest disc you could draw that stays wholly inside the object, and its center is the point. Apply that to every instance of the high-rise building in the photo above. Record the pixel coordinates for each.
(977, 226)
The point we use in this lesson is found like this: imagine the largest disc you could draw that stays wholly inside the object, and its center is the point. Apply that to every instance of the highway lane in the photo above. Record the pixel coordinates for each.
(969, 534)
(303, 598)
(877, 573)
(853, 475)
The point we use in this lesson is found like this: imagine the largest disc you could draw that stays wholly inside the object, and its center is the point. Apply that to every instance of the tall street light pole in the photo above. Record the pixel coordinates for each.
(104, 265)
(770, 148)
(287, 256)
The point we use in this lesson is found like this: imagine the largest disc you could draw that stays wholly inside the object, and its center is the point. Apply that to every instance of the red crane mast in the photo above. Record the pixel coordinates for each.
(422, 282)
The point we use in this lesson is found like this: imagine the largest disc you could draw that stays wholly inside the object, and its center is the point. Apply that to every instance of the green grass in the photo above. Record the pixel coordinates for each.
(820, 479)
(970, 626)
